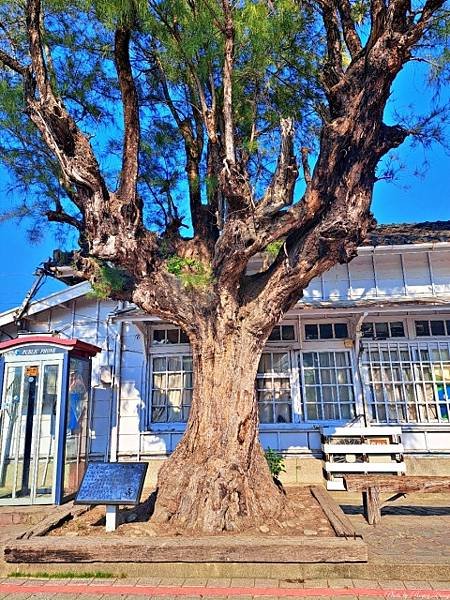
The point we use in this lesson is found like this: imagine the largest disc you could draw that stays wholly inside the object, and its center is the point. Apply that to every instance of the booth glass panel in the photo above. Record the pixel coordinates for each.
(45, 432)
(10, 421)
(76, 424)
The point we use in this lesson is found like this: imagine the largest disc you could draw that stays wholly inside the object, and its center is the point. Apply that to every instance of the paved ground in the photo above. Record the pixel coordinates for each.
(413, 531)
(217, 589)
(415, 528)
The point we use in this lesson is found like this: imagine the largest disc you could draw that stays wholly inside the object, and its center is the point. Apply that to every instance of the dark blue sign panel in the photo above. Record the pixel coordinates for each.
(34, 350)
(112, 483)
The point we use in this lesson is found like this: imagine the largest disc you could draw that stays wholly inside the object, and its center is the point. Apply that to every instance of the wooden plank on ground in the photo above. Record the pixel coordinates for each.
(401, 483)
(57, 516)
(339, 521)
(226, 549)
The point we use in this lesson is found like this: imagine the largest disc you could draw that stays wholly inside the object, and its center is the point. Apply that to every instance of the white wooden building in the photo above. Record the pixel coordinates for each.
(368, 344)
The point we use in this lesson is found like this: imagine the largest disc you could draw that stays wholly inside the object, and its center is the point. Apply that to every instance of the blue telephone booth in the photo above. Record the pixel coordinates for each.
(45, 387)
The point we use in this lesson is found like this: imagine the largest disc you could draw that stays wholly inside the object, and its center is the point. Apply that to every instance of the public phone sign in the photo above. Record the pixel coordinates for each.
(35, 351)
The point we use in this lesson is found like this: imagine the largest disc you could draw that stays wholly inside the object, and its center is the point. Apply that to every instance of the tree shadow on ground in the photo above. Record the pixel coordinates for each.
(135, 514)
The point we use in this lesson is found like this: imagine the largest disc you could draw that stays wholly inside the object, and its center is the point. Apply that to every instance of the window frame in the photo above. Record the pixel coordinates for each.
(418, 381)
(163, 425)
(445, 319)
(315, 348)
(388, 321)
(318, 323)
(292, 385)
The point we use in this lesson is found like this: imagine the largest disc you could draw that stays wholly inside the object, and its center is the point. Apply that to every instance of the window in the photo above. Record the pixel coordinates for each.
(171, 388)
(383, 330)
(282, 333)
(430, 328)
(273, 388)
(326, 331)
(328, 386)
(408, 383)
(169, 336)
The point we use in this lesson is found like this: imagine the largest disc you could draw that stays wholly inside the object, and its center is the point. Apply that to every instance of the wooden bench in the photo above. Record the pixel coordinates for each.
(372, 485)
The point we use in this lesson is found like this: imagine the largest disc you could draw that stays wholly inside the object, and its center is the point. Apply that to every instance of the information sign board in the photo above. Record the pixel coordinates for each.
(112, 483)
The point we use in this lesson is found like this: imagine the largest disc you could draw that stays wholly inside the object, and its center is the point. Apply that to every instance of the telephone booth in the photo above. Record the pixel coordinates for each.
(44, 418)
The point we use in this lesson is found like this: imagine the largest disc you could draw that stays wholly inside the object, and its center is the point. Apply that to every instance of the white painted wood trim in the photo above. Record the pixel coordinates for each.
(363, 449)
(365, 467)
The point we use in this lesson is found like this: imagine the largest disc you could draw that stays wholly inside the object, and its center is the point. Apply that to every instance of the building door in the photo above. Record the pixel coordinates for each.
(28, 431)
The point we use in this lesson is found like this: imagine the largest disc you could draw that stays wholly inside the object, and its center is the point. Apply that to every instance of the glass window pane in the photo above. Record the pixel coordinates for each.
(311, 332)
(310, 376)
(327, 393)
(187, 380)
(343, 376)
(437, 328)
(159, 381)
(275, 334)
(308, 359)
(422, 328)
(288, 332)
(342, 359)
(173, 336)
(159, 398)
(328, 376)
(326, 331)
(174, 363)
(367, 330)
(174, 397)
(159, 364)
(174, 380)
(281, 362)
(397, 329)
(183, 337)
(265, 364)
(265, 413)
(312, 411)
(187, 397)
(326, 359)
(174, 414)
(159, 336)
(283, 413)
(159, 414)
(187, 363)
(340, 330)
(330, 412)
(312, 394)
(381, 330)
(345, 393)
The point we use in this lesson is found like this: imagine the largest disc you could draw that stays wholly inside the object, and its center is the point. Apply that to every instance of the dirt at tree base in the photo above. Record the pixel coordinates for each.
(302, 516)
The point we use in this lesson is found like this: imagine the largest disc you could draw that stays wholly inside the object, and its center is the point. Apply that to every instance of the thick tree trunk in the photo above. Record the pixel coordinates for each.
(217, 479)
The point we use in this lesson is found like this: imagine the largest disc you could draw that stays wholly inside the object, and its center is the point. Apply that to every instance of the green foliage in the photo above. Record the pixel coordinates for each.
(107, 280)
(280, 50)
(276, 462)
(273, 248)
(67, 575)
(192, 273)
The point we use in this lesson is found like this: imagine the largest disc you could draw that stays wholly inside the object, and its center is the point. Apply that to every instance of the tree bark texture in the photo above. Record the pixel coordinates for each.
(217, 479)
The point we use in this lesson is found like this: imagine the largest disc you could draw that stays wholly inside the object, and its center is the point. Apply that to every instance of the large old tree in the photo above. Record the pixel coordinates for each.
(172, 135)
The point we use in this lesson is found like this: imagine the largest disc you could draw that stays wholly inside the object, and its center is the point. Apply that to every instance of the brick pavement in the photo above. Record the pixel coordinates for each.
(213, 589)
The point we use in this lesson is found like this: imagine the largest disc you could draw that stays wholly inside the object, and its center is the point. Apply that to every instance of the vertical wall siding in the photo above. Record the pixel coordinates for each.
(386, 275)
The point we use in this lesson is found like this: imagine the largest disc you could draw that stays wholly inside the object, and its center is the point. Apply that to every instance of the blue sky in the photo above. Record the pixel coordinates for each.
(411, 198)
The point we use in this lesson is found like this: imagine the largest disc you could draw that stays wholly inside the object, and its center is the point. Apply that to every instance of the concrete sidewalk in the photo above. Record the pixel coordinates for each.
(217, 589)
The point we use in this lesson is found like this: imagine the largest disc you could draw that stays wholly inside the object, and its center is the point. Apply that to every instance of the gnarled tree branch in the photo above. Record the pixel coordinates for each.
(130, 155)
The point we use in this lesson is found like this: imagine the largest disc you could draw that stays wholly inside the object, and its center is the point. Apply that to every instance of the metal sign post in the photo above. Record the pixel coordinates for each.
(111, 517)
